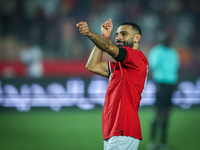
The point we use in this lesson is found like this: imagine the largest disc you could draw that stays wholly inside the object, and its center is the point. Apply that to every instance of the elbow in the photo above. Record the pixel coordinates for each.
(88, 67)
(113, 50)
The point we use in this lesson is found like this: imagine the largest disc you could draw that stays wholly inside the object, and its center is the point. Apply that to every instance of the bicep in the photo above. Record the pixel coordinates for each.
(101, 68)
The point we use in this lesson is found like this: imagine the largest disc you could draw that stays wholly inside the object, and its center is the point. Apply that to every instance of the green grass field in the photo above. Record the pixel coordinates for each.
(75, 129)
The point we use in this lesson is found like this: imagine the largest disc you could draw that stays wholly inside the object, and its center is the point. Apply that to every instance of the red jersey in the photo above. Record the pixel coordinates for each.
(123, 95)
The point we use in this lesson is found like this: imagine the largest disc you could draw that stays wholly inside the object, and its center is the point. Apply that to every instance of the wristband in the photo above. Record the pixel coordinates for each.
(105, 36)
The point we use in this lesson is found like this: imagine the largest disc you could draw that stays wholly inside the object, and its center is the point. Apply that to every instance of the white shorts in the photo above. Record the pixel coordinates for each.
(121, 143)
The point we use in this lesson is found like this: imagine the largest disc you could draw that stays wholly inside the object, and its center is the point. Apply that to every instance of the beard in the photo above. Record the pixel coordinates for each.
(124, 43)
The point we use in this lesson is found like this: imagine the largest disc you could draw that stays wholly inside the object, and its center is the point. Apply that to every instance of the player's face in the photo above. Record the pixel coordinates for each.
(124, 36)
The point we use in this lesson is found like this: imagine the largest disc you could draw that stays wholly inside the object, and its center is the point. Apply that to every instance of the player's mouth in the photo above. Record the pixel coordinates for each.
(120, 43)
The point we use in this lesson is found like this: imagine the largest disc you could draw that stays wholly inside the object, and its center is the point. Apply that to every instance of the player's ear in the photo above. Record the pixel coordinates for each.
(137, 38)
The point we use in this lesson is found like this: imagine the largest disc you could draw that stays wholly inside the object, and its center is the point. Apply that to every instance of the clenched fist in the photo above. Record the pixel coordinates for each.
(83, 28)
(107, 27)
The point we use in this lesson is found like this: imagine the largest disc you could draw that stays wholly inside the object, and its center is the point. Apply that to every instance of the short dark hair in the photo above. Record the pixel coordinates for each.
(134, 26)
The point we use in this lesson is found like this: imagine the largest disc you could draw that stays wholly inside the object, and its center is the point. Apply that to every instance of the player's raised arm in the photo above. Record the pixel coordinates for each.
(94, 63)
(101, 42)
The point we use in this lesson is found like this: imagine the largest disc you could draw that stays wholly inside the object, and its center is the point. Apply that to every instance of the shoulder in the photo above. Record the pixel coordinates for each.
(134, 55)
(174, 52)
(156, 48)
(130, 50)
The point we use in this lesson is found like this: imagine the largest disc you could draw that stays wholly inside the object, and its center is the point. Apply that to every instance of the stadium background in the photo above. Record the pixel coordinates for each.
(62, 109)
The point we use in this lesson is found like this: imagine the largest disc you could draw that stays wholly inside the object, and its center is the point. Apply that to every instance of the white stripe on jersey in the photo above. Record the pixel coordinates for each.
(109, 67)
(145, 80)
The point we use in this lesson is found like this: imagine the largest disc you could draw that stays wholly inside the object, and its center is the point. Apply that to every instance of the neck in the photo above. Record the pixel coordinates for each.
(135, 46)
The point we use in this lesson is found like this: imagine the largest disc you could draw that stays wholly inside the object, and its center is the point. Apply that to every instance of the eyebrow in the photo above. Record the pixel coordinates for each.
(121, 32)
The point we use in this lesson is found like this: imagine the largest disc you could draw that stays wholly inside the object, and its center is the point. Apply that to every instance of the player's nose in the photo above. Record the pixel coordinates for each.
(118, 37)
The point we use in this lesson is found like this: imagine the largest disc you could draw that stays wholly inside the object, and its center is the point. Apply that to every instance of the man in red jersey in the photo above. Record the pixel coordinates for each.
(127, 78)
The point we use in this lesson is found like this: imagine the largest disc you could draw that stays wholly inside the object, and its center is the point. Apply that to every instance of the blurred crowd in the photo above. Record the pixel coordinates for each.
(51, 25)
